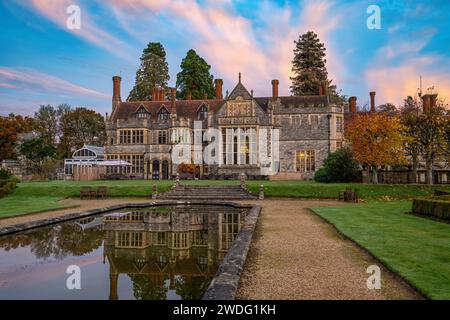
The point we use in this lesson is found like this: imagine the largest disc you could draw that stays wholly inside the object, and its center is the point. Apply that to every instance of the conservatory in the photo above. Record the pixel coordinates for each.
(87, 156)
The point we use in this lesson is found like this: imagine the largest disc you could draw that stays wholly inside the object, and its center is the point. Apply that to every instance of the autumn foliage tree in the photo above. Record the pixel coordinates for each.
(377, 140)
(10, 129)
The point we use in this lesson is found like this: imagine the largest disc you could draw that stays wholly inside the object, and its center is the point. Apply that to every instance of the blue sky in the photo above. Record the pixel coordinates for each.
(43, 62)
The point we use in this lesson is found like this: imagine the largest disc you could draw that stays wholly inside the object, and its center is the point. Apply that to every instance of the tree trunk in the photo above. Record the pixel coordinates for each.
(415, 165)
(375, 175)
(429, 168)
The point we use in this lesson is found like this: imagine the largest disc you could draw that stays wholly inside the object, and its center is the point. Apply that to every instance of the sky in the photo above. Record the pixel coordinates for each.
(42, 61)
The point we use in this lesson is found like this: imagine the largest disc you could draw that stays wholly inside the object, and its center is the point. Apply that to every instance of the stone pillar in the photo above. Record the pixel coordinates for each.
(261, 192)
(242, 180)
(154, 192)
(372, 101)
(160, 169)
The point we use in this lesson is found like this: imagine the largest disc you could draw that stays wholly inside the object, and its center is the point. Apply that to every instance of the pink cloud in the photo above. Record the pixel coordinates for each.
(32, 79)
(231, 44)
(395, 73)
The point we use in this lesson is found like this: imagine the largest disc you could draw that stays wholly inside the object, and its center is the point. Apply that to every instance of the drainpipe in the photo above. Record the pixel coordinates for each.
(329, 133)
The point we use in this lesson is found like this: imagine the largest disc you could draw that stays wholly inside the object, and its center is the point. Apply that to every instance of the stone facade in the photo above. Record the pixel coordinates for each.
(147, 133)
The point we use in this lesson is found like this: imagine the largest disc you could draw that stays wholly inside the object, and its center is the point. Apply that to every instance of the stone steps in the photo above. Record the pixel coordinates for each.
(206, 193)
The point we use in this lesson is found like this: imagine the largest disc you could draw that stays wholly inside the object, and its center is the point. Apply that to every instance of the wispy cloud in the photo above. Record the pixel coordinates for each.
(29, 79)
(398, 65)
(232, 43)
(90, 31)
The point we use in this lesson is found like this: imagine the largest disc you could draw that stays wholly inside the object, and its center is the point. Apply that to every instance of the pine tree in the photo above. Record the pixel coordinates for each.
(153, 72)
(309, 66)
(195, 77)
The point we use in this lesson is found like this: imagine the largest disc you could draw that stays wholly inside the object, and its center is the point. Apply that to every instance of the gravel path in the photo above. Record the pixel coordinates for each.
(296, 255)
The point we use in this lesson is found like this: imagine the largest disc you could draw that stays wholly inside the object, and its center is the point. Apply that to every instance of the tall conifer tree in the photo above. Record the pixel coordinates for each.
(195, 77)
(309, 66)
(153, 72)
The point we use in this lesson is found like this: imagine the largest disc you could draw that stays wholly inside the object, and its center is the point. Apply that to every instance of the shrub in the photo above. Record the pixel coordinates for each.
(5, 174)
(339, 167)
(438, 207)
(6, 187)
(321, 175)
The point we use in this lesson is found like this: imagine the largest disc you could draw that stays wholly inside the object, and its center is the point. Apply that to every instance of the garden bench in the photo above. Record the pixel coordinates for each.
(86, 192)
(102, 192)
(349, 195)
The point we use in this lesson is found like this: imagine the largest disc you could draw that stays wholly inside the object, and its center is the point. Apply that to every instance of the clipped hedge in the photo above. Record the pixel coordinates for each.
(438, 207)
(7, 186)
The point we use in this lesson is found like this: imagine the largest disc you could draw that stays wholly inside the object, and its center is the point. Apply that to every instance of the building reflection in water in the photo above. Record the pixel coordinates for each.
(168, 248)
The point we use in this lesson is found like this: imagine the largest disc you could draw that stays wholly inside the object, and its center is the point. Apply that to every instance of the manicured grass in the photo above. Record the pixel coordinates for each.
(416, 248)
(17, 205)
(41, 196)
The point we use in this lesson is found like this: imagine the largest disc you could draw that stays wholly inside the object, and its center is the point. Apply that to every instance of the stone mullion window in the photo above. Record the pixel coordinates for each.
(306, 161)
(253, 147)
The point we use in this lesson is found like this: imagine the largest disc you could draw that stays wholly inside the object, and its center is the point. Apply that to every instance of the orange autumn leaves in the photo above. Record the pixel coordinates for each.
(378, 139)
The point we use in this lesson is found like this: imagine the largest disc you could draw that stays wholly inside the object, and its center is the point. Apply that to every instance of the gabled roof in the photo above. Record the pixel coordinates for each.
(184, 108)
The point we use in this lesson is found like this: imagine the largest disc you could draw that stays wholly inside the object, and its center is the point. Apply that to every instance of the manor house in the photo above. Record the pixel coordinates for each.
(299, 133)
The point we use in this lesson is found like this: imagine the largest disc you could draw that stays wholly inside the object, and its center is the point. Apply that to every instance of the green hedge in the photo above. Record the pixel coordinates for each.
(438, 207)
(7, 186)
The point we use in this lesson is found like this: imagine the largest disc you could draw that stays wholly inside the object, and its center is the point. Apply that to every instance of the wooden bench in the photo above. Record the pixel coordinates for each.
(102, 192)
(87, 192)
(349, 195)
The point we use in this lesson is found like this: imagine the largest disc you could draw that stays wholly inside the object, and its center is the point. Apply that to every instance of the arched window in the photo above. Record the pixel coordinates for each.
(163, 114)
(203, 113)
(142, 113)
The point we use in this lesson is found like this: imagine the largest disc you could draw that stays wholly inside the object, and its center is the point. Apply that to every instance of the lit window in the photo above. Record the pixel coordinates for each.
(306, 161)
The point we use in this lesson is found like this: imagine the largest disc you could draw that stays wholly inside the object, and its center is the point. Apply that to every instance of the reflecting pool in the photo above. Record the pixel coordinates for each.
(152, 253)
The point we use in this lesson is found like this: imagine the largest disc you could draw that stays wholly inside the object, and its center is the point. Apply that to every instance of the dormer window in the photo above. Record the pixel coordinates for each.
(163, 114)
(142, 113)
(203, 113)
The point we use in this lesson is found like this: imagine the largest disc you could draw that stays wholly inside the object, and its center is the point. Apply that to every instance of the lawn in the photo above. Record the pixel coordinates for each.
(416, 248)
(34, 197)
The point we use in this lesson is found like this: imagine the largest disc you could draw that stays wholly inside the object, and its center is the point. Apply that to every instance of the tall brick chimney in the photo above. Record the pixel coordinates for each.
(116, 99)
(189, 95)
(426, 102)
(372, 101)
(352, 104)
(433, 100)
(173, 98)
(275, 84)
(218, 84)
(324, 86)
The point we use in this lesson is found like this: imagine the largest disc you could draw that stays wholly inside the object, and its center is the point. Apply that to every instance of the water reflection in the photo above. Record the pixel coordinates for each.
(166, 252)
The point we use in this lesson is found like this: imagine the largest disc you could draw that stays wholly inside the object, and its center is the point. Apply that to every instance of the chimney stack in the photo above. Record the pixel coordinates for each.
(189, 95)
(275, 83)
(427, 102)
(116, 92)
(324, 86)
(352, 104)
(433, 101)
(173, 98)
(372, 101)
(218, 83)
(320, 90)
